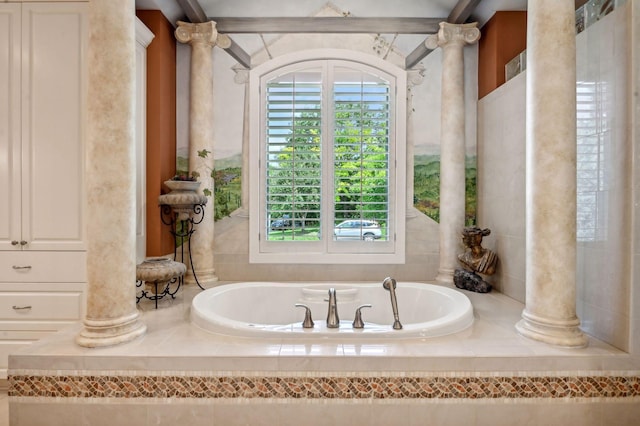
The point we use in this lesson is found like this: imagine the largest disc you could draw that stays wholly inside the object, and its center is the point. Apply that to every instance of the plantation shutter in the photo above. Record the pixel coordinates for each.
(294, 160)
(361, 118)
(325, 186)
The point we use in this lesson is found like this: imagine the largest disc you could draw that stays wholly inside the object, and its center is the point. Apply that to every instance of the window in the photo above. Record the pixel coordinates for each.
(593, 139)
(325, 186)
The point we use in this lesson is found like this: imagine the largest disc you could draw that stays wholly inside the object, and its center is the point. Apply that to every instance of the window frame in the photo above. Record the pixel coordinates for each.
(327, 251)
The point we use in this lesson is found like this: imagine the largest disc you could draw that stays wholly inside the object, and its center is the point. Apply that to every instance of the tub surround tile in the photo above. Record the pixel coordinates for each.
(241, 414)
(310, 349)
(176, 414)
(231, 380)
(177, 344)
(325, 386)
(619, 412)
(445, 414)
(41, 414)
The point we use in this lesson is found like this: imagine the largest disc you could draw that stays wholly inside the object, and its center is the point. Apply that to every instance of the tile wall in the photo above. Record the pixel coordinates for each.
(604, 178)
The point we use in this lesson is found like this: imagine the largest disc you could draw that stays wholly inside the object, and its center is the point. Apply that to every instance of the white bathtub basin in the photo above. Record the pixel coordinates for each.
(266, 309)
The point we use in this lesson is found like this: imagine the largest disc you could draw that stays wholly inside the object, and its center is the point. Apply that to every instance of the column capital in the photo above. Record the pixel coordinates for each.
(415, 76)
(453, 34)
(242, 74)
(204, 32)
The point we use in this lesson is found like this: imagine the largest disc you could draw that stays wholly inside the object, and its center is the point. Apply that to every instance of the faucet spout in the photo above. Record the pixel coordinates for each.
(390, 284)
(333, 321)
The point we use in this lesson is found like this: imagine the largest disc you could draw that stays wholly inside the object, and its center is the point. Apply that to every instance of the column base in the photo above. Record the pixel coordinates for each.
(445, 276)
(565, 334)
(204, 277)
(98, 333)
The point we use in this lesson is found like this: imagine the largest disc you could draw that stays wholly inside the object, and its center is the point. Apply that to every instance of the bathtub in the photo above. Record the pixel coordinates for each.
(267, 309)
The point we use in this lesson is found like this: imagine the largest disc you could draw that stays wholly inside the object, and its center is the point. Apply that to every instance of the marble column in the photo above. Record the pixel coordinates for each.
(452, 38)
(550, 307)
(202, 37)
(111, 313)
(242, 77)
(415, 77)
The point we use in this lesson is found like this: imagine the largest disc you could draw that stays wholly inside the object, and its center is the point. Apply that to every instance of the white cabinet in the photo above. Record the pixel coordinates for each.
(42, 224)
(42, 79)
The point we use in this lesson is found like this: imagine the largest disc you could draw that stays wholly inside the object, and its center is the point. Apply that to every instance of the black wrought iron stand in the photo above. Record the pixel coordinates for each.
(182, 228)
(163, 273)
(165, 291)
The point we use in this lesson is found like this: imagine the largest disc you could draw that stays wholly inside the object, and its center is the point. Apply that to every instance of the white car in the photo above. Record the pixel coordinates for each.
(357, 229)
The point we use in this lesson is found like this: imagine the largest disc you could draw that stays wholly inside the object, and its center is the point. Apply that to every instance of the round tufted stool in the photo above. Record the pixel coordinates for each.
(159, 271)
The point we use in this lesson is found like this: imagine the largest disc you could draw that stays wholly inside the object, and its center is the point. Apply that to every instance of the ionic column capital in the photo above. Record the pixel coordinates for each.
(415, 76)
(454, 34)
(242, 74)
(205, 33)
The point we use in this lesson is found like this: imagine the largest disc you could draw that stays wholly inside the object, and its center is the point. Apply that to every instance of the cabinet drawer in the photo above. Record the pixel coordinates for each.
(43, 266)
(19, 306)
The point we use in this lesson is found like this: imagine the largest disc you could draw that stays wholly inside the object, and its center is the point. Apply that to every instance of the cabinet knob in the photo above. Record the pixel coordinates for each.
(15, 243)
(23, 243)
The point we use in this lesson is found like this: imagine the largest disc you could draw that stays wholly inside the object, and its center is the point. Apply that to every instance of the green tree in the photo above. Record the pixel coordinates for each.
(294, 172)
(361, 166)
(361, 161)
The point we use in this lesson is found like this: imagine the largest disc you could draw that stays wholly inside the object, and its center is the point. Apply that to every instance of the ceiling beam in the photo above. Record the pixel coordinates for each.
(193, 10)
(239, 54)
(462, 11)
(196, 15)
(459, 15)
(418, 54)
(317, 25)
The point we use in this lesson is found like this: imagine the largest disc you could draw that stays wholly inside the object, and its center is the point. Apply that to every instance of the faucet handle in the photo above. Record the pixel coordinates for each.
(308, 322)
(357, 321)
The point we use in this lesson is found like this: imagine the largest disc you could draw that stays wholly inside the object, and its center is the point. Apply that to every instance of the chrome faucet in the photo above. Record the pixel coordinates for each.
(333, 321)
(390, 284)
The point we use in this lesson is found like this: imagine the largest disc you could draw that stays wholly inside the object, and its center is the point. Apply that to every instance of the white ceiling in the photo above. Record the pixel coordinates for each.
(357, 8)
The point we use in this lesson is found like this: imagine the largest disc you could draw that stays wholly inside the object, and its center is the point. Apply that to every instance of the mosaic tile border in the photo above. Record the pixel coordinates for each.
(325, 387)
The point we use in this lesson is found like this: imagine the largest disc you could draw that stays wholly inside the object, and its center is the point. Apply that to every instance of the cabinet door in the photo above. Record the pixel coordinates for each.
(10, 139)
(53, 103)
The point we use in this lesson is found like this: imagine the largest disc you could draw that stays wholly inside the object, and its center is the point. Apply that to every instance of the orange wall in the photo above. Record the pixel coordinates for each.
(504, 36)
(161, 125)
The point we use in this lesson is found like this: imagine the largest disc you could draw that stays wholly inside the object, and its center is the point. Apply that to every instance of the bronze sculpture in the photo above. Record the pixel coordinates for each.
(475, 260)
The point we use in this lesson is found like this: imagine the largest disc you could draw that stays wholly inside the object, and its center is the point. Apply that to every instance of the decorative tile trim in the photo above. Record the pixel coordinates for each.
(327, 387)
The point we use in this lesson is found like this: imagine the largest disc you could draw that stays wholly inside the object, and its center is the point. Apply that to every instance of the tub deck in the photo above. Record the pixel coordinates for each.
(207, 376)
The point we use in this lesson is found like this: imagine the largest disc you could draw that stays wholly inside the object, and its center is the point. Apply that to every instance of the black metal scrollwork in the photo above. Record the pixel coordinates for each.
(182, 230)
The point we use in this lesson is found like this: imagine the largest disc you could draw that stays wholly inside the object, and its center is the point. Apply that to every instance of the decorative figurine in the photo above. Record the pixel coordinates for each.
(475, 260)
